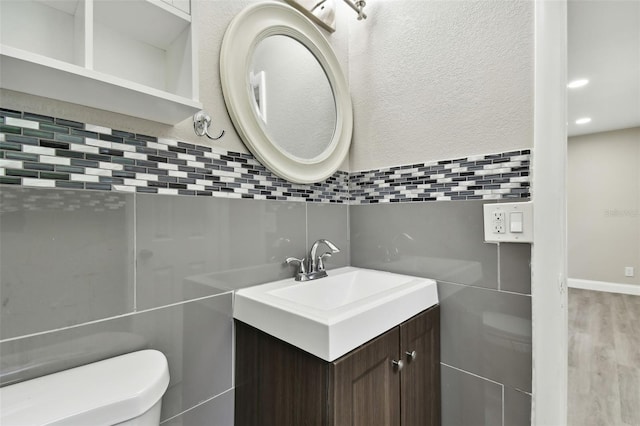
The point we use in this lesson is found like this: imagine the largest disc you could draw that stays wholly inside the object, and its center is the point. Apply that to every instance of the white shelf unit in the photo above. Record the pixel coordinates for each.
(134, 57)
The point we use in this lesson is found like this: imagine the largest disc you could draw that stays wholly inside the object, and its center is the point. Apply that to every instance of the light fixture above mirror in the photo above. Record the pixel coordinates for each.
(323, 12)
(358, 6)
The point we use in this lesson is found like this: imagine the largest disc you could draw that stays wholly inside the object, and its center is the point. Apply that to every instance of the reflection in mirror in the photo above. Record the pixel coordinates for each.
(292, 97)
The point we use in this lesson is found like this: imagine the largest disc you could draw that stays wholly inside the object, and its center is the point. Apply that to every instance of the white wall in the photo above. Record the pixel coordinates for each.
(604, 206)
(429, 80)
(440, 79)
(212, 18)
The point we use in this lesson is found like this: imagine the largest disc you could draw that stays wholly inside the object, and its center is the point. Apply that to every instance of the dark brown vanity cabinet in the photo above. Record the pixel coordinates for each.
(280, 385)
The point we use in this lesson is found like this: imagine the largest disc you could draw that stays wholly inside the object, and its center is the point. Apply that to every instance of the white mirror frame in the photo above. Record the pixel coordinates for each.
(247, 29)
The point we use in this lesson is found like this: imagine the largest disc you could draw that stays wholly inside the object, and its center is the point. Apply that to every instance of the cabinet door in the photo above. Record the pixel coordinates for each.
(420, 381)
(276, 383)
(366, 385)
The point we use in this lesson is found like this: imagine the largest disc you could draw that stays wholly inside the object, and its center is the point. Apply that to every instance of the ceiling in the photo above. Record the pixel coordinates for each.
(604, 47)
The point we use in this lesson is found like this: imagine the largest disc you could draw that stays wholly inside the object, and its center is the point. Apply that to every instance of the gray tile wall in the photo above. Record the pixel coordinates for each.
(87, 275)
(469, 400)
(484, 292)
(330, 221)
(117, 267)
(78, 270)
(517, 408)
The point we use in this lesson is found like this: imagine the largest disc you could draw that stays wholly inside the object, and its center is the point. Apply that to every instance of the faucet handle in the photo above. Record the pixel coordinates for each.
(321, 260)
(302, 264)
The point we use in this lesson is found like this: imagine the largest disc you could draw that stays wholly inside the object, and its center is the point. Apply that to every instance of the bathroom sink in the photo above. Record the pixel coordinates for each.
(331, 316)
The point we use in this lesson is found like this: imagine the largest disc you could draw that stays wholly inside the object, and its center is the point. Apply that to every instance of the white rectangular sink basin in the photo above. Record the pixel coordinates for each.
(331, 316)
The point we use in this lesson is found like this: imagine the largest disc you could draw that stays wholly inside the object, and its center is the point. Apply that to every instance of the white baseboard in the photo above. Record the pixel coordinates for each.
(632, 289)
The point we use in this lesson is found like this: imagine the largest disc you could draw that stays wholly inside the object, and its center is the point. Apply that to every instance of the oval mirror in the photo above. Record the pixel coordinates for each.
(286, 93)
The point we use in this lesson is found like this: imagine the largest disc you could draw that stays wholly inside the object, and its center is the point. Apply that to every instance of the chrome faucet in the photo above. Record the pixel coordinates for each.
(312, 267)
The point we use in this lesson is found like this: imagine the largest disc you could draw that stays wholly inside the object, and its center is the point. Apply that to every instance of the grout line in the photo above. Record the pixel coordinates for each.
(481, 288)
(503, 405)
(515, 293)
(499, 272)
(471, 374)
(349, 234)
(198, 405)
(128, 314)
(306, 229)
(135, 253)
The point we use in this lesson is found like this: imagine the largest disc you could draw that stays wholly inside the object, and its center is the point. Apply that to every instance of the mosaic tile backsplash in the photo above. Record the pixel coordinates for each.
(43, 151)
(492, 176)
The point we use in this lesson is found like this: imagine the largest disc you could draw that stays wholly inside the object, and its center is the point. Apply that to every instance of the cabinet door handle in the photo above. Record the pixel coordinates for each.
(397, 364)
(411, 355)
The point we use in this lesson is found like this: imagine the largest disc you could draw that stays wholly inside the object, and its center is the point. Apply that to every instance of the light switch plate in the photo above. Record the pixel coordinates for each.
(517, 232)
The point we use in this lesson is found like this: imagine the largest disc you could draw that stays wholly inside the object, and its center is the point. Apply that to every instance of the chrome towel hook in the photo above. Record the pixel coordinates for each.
(201, 122)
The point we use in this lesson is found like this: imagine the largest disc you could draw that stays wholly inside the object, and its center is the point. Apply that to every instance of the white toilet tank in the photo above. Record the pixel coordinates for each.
(125, 390)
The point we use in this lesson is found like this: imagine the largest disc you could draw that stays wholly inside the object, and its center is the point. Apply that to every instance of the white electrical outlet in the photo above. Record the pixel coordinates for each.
(628, 271)
(508, 222)
(498, 223)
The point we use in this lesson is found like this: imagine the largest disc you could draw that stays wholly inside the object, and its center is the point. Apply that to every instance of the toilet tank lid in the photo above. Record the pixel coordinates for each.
(101, 393)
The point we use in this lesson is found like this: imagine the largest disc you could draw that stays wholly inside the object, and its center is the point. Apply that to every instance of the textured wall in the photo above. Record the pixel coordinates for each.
(212, 18)
(429, 80)
(440, 79)
(603, 201)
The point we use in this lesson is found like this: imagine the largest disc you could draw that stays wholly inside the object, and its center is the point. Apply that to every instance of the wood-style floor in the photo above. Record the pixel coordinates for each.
(604, 359)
